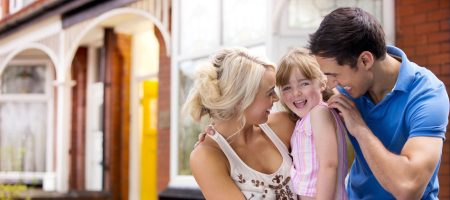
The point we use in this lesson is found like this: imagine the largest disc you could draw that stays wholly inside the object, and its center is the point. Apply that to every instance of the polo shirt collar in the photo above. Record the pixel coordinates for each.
(406, 74)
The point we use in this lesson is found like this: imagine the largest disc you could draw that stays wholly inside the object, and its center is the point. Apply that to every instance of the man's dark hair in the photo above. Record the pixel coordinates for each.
(345, 33)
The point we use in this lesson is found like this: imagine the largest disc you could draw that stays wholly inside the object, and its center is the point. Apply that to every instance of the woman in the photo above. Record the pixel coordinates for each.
(248, 157)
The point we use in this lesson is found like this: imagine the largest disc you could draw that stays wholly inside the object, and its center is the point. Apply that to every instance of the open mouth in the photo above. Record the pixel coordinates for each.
(300, 104)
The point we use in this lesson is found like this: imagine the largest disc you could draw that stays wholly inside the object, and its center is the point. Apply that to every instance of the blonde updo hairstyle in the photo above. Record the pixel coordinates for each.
(227, 86)
(301, 59)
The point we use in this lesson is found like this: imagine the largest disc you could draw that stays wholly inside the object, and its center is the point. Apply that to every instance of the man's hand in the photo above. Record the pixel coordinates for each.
(348, 111)
(201, 137)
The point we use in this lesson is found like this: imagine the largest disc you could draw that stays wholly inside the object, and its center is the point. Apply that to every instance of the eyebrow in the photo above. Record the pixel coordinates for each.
(329, 74)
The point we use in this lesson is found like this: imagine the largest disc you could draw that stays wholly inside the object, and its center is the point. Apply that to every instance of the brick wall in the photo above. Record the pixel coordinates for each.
(163, 115)
(423, 32)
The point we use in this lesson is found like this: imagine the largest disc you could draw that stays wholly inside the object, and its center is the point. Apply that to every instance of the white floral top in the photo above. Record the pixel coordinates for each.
(256, 185)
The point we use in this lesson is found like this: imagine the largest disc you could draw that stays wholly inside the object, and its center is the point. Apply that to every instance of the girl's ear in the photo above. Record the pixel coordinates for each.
(323, 85)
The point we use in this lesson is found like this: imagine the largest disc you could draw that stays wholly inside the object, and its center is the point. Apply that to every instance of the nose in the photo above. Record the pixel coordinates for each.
(297, 91)
(275, 98)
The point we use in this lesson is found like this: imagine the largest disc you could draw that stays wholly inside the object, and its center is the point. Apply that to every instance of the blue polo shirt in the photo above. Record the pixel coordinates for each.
(417, 106)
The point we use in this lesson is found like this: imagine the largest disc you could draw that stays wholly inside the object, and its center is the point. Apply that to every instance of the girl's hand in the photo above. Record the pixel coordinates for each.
(201, 137)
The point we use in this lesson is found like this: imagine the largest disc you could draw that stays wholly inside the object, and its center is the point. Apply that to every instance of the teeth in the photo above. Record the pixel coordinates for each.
(347, 87)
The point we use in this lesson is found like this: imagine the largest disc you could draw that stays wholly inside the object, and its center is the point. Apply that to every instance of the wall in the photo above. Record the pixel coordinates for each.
(423, 32)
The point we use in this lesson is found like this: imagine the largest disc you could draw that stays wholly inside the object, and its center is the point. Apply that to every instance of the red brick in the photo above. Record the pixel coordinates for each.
(445, 70)
(427, 6)
(427, 28)
(445, 47)
(405, 10)
(439, 58)
(444, 4)
(436, 69)
(442, 13)
(411, 40)
(428, 49)
(410, 51)
(445, 25)
(412, 20)
(439, 37)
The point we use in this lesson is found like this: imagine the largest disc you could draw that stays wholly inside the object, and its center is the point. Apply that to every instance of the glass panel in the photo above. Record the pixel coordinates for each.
(244, 21)
(23, 79)
(199, 25)
(188, 129)
(307, 14)
(23, 128)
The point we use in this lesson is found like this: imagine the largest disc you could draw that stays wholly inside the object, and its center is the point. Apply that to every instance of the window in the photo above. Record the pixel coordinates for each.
(201, 27)
(16, 5)
(25, 113)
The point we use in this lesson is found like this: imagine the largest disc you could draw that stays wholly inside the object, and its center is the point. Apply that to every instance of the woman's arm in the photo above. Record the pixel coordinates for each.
(211, 171)
(325, 140)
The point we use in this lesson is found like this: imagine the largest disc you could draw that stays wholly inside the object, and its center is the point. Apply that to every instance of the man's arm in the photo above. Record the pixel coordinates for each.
(210, 170)
(405, 175)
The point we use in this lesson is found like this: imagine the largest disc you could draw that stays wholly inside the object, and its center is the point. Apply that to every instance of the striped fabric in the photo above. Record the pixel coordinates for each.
(305, 167)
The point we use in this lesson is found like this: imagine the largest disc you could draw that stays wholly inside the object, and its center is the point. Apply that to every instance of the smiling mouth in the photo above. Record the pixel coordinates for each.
(300, 104)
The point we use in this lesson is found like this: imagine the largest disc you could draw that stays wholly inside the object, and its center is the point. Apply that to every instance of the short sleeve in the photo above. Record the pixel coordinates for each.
(428, 113)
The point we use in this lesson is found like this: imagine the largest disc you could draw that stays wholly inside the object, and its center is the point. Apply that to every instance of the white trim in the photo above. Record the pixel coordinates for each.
(389, 21)
(31, 34)
(49, 52)
(62, 126)
(165, 34)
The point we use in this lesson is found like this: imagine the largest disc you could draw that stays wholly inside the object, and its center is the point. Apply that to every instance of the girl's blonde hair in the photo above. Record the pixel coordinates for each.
(227, 86)
(301, 59)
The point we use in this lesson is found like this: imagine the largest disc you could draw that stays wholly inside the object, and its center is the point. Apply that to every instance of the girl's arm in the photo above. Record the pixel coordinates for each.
(211, 171)
(325, 140)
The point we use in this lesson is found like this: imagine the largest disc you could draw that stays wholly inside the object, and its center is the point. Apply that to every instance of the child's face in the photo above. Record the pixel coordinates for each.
(301, 94)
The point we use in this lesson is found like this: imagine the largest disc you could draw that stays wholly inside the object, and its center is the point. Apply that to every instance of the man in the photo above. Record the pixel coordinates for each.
(396, 111)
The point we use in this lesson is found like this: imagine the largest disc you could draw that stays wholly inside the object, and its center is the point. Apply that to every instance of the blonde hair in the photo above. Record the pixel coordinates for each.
(301, 59)
(227, 86)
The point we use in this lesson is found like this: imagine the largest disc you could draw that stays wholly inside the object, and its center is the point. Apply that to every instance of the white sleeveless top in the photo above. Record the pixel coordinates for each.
(256, 185)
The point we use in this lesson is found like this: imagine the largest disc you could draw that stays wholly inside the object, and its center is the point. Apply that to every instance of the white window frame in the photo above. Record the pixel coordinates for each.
(176, 180)
(47, 177)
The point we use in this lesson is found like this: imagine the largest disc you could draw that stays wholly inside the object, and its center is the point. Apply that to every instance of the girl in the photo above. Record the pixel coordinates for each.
(318, 142)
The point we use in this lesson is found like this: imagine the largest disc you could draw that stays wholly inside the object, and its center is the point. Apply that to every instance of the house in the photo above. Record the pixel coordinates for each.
(91, 90)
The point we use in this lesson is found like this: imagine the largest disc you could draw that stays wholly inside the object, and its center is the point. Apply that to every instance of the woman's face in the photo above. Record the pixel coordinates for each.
(258, 112)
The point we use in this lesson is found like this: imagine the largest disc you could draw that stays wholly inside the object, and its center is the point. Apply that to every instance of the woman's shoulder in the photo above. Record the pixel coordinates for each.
(282, 125)
(208, 155)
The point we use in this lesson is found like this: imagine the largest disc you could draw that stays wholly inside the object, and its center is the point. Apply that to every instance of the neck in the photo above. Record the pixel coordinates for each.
(385, 76)
(232, 128)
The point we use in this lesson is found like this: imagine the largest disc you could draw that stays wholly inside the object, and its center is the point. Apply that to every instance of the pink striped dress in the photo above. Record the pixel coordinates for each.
(305, 167)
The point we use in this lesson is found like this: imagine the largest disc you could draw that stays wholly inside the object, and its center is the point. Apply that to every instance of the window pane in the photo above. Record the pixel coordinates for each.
(244, 21)
(199, 25)
(23, 79)
(23, 128)
(307, 14)
(188, 129)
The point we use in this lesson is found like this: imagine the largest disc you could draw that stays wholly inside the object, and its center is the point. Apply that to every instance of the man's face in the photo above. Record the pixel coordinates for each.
(356, 81)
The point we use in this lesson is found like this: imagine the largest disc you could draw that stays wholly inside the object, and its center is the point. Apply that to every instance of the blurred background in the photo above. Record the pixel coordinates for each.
(91, 90)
